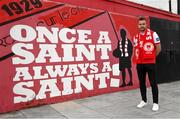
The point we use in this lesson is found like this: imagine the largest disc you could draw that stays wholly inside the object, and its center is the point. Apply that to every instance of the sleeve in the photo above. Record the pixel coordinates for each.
(156, 38)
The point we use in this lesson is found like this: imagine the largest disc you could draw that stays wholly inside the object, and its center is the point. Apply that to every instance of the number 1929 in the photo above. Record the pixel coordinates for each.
(21, 6)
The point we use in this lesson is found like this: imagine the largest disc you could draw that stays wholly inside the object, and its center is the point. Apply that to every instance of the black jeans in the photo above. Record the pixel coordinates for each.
(142, 69)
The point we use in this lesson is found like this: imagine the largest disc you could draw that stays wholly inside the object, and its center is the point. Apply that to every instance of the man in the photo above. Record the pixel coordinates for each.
(147, 46)
(126, 49)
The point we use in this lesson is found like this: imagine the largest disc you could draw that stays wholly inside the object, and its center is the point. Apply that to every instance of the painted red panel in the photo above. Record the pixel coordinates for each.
(124, 7)
(84, 63)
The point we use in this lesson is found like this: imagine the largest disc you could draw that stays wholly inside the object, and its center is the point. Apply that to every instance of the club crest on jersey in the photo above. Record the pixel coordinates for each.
(149, 47)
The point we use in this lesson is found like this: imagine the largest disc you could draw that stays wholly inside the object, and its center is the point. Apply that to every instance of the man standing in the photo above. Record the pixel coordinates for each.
(147, 46)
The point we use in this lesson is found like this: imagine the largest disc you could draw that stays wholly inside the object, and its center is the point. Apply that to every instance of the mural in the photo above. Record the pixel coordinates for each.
(52, 52)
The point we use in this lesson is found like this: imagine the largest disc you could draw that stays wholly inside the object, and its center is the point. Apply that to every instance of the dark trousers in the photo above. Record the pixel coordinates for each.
(142, 69)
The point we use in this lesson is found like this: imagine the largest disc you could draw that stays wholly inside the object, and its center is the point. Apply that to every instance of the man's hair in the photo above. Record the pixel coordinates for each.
(142, 18)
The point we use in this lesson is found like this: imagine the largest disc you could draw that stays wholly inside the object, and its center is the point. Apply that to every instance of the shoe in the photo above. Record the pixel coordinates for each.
(123, 85)
(142, 104)
(130, 83)
(155, 107)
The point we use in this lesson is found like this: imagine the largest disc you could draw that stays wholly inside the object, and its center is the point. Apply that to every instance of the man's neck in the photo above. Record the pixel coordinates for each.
(142, 33)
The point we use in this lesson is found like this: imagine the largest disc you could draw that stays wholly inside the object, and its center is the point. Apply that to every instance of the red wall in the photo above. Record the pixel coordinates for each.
(123, 7)
(26, 82)
(28, 57)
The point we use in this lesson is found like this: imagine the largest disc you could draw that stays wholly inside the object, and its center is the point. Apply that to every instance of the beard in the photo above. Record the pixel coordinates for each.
(142, 29)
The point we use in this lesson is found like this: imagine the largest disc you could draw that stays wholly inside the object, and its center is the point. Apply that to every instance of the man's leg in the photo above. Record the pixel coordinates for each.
(123, 77)
(130, 75)
(151, 69)
(142, 80)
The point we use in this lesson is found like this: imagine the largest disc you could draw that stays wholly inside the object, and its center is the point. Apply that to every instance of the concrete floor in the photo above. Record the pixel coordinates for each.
(109, 106)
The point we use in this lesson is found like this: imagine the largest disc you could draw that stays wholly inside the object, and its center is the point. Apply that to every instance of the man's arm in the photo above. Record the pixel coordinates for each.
(158, 48)
(130, 48)
(157, 43)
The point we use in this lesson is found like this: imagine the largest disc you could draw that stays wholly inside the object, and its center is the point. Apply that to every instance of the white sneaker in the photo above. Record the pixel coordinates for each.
(142, 104)
(155, 107)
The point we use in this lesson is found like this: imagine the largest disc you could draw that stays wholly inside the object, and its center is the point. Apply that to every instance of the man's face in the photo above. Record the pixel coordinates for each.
(142, 25)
